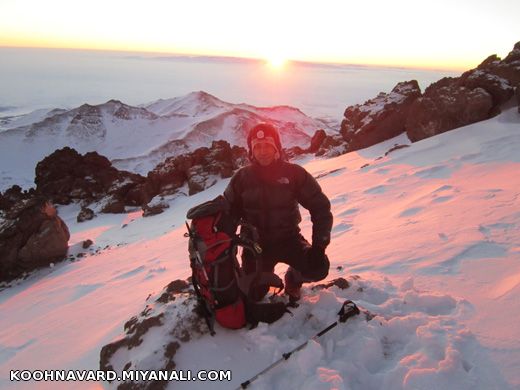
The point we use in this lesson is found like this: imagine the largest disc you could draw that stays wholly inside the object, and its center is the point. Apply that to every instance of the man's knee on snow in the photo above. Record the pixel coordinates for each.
(318, 269)
(318, 274)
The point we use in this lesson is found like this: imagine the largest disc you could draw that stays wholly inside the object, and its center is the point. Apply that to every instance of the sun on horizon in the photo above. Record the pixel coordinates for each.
(277, 62)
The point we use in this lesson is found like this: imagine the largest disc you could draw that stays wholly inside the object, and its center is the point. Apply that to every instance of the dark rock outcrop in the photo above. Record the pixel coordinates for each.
(175, 287)
(316, 141)
(31, 236)
(66, 176)
(341, 283)
(154, 208)
(13, 195)
(508, 68)
(136, 331)
(476, 95)
(332, 146)
(498, 87)
(294, 151)
(85, 214)
(446, 108)
(198, 169)
(321, 144)
(113, 206)
(380, 118)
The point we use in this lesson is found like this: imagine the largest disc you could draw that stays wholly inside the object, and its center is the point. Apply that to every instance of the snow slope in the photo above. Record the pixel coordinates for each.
(432, 231)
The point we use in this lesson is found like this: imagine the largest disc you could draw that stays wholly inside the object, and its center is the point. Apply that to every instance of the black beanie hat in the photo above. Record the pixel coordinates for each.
(264, 132)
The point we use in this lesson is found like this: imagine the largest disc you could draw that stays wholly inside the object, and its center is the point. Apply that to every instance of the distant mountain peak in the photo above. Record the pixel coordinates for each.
(203, 95)
(86, 106)
(193, 104)
(115, 101)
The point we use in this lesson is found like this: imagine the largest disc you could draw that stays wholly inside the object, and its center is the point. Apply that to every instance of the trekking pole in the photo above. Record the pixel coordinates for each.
(348, 309)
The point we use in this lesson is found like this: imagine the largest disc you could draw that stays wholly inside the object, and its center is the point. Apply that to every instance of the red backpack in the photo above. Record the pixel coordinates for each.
(215, 270)
(222, 289)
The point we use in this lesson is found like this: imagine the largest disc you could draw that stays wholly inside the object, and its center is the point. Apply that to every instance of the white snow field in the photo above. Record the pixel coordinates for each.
(432, 232)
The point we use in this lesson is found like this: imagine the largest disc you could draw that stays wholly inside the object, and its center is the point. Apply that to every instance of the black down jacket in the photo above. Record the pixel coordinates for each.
(268, 197)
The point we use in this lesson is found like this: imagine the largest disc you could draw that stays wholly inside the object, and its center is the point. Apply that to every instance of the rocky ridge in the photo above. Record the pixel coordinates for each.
(447, 104)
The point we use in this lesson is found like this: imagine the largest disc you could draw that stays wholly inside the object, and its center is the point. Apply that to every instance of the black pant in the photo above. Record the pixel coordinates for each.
(294, 252)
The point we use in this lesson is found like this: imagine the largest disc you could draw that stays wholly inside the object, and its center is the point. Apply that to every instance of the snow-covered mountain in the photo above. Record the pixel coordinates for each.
(194, 104)
(432, 230)
(138, 138)
(13, 121)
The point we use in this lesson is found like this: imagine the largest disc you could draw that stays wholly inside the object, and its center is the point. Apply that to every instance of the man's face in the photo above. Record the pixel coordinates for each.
(264, 153)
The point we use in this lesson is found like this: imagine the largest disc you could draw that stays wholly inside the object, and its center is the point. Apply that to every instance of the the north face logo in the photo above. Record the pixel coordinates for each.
(283, 180)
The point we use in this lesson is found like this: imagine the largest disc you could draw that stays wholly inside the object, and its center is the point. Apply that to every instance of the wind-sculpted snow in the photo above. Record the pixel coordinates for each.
(403, 339)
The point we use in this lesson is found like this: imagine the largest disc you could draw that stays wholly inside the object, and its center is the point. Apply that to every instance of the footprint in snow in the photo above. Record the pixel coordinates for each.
(339, 199)
(436, 172)
(376, 190)
(152, 272)
(442, 199)
(341, 229)
(84, 289)
(411, 211)
(444, 188)
(443, 237)
(131, 273)
(492, 193)
(440, 195)
(348, 212)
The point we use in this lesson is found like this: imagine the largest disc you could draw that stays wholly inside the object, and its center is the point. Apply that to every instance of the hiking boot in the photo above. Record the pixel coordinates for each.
(293, 285)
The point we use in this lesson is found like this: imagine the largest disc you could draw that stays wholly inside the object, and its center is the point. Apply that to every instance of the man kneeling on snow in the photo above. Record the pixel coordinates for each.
(266, 194)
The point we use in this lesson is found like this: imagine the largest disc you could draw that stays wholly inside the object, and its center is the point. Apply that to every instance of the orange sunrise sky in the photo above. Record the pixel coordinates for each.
(426, 34)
